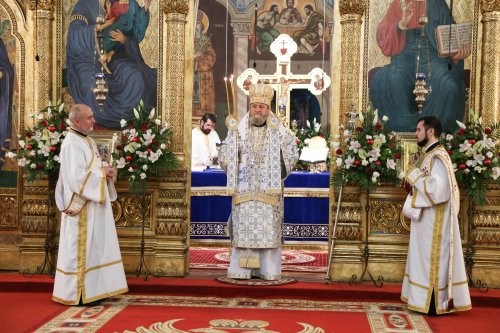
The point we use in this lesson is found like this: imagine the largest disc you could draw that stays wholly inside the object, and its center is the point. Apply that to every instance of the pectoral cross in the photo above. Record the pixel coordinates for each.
(283, 81)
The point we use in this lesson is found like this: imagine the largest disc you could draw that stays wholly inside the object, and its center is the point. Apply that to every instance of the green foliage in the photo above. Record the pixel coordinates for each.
(368, 156)
(474, 151)
(144, 149)
(39, 146)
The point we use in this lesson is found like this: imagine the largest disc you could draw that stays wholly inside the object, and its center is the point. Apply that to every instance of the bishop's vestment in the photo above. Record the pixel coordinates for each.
(257, 160)
(435, 262)
(89, 263)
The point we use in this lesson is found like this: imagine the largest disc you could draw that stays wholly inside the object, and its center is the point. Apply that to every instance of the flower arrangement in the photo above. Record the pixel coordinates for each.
(39, 147)
(474, 151)
(144, 148)
(309, 138)
(369, 155)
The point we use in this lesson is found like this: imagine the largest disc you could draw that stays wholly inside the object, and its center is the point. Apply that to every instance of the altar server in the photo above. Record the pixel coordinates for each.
(89, 263)
(204, 142)
(435, 281)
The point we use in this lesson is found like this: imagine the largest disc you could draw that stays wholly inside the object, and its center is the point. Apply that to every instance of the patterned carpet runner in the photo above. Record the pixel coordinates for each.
(291, 260)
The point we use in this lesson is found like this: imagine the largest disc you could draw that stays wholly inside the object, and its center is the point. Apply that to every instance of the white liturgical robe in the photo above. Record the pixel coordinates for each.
(89, 263)
(435, 262)
(203, 146)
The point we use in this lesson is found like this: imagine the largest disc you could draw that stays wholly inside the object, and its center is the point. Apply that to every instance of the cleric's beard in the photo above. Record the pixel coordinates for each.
(257, 120)
(206, 131)
(423, 142)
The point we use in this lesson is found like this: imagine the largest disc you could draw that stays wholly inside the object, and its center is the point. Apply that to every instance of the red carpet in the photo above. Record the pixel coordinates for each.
(292, 260)
(195, 305)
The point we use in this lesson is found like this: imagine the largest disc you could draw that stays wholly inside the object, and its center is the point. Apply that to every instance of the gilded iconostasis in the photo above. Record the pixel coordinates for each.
(176, 55)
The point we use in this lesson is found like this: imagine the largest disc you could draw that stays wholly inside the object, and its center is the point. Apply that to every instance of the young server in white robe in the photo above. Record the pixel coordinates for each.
(435, 280)
(89, 263)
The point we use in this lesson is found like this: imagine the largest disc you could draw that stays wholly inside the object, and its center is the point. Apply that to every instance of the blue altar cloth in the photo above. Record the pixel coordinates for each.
(305, 218)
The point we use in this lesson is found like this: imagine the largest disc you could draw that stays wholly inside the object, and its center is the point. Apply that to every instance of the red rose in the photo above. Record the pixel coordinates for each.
(149, 150)
(321, 135)
(461, 131)
(133, 167)
(52, 128)
(369, 142)
(359, 129)
(119, 147)
(357, 162)
(462, 166)
(154, 141)
(487, 130)
(135, 139)
(297, 142)
(130, 125)
(39, 165)
(62, 127)
(339, 151)
(28, 135)
(144, 127)
(369, 171)
(52, 148)
(28, 147)
(128, 158)
(378, 127)
(377, 162)
(449, 151)
(487, 162)
(472, 141)
(397, 156)
(44, 123)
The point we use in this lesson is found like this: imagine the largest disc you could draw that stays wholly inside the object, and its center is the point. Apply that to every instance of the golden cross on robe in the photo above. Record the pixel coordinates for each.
(283, 80)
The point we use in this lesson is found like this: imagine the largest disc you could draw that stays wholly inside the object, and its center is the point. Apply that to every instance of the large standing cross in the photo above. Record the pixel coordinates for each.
(283, 81)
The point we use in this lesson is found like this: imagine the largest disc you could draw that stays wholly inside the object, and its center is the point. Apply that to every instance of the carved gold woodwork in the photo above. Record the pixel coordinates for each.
(351, 20)
(42, 66)
(385, 217)
(42, 5)
(175, 12)
(490, 62)
(9, 209)
(490, 6)
(175, 6)
(352, 7)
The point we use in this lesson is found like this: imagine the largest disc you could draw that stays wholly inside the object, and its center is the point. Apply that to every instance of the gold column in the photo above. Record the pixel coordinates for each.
(42, 47)
(173, 98)
(351, 12)
(490, 62)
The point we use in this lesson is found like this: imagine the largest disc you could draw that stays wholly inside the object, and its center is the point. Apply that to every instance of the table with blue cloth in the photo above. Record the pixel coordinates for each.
(306, 207)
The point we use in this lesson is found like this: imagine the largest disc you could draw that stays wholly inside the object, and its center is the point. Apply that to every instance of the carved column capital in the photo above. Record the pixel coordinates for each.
(175, 7)
(490, 6)
(47, 5)
(241, 28)
(352, 7)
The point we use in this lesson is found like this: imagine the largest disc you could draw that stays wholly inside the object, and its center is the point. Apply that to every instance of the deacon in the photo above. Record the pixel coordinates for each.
(257, 155)
(204, 142)
(89, 263)
(435, 281)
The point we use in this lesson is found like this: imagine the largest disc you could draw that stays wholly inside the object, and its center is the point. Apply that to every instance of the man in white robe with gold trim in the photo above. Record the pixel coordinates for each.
(257, 155)
(435, 281)
(89, 263)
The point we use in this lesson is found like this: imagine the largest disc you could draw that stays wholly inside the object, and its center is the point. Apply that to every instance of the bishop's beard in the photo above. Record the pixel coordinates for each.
(257, 120)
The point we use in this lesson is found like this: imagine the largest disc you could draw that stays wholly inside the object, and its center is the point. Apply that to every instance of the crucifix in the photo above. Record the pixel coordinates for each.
(283, 81)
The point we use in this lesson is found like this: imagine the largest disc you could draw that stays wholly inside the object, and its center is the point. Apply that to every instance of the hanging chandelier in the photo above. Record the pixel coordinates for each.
(100, 90)
(422, 79)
